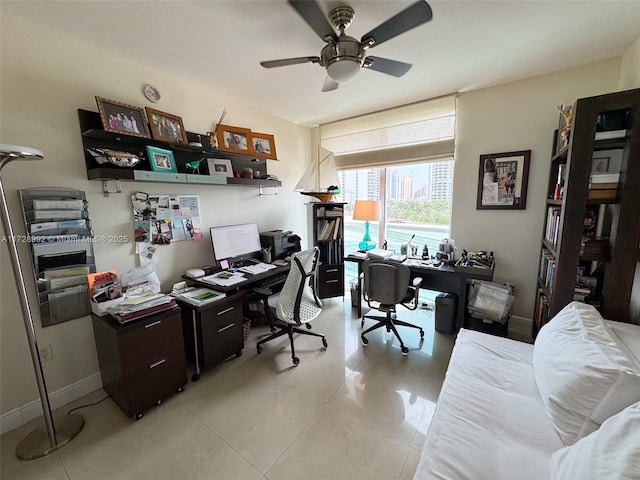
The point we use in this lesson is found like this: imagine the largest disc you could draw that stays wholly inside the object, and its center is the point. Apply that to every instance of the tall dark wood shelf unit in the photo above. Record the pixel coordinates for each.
(615, 268)
(327, 232)
(93, 135)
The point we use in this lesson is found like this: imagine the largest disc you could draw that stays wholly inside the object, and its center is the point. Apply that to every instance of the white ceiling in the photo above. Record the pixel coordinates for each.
(468, 45)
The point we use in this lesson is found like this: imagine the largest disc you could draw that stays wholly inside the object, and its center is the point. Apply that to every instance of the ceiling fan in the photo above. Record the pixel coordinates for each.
(344, 56)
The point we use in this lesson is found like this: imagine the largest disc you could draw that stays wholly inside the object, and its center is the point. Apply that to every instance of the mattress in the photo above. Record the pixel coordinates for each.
(490, 422)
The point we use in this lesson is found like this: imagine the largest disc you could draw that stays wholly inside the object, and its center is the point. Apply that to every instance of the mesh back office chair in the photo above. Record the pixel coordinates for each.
(296, 304)
(386, 285)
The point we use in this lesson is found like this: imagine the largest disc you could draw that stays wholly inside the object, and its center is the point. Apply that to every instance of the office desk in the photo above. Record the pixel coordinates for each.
(445, 279)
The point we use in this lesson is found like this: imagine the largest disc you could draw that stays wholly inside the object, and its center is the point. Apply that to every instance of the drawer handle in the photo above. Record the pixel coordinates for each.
(154, 365)
(225, 311)
(224, 328)
(332, 270)
(332, 281)
(153, 324)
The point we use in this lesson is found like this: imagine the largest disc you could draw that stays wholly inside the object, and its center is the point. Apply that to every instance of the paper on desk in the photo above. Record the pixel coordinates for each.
(258, 268)
(226, 282)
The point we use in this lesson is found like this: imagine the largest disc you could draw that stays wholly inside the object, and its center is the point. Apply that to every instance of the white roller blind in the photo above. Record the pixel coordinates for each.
(420, 131)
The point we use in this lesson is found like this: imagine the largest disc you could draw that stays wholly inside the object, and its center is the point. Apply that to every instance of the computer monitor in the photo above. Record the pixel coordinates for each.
(235, 243)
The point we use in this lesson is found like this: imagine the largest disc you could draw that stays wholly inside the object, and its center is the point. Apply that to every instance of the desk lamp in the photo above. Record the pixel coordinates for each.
(367, 210)
(39, 442)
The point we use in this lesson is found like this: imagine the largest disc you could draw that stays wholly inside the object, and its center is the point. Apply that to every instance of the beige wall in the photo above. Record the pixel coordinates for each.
(630, 67)
(516, 116)
(45, 78)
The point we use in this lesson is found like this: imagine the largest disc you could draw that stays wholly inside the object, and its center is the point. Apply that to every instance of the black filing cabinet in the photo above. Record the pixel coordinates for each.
(141, 362)
(331, 280)
(213, 332)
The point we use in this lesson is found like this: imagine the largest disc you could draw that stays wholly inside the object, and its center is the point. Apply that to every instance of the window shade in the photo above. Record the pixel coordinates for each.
(416, 132)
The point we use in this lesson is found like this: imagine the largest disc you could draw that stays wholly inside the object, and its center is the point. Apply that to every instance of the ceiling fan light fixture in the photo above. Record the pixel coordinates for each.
(343, 70)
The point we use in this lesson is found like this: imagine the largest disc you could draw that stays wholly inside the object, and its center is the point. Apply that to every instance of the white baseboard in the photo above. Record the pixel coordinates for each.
(27, 412)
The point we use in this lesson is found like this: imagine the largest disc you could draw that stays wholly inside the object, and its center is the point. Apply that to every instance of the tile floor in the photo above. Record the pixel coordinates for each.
(345, 413)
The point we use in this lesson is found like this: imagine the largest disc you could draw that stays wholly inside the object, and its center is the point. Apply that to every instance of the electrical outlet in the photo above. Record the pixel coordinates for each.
(45, 352)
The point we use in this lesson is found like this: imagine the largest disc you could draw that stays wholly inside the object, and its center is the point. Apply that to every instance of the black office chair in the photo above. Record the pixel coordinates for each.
(296, 304)
(386, 284)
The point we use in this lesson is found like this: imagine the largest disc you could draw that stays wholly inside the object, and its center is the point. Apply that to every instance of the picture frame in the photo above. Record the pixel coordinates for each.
(263, 145)
(166, 127)
(220, 167)
(600, 164)
(161, 160)
(119, 117)
(502, 181)
(234, 139)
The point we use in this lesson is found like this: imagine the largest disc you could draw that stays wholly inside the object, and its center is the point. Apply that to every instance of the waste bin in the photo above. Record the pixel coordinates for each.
(354, 294)
(446, 313)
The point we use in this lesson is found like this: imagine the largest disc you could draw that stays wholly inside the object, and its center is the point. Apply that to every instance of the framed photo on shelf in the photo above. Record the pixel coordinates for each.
(264, 145)
(161, 160)
(234, 139)
(220, 167)
(502, 181)
(166, 127)
(121, 117)
(600, 164)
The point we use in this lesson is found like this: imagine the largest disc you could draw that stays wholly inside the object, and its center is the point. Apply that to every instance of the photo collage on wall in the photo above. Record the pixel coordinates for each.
(161, 219)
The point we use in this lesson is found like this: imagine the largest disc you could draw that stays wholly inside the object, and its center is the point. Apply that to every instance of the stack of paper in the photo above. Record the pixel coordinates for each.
(141, 307)
(380, 254)
(258, 268)
(200, 296)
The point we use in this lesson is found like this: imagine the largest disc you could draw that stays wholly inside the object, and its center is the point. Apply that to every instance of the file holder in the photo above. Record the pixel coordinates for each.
(58, 229)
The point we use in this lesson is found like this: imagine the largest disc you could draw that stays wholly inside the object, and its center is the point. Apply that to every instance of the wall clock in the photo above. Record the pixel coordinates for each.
(151, 93)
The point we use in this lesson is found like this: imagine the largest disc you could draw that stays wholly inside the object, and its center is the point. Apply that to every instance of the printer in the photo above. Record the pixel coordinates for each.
(281, 243)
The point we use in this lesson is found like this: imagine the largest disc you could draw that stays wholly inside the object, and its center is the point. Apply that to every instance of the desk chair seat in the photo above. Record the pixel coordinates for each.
(387, 285)
(296, 304)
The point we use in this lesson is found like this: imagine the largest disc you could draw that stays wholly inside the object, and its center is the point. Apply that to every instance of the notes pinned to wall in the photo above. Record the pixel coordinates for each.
(161, 219)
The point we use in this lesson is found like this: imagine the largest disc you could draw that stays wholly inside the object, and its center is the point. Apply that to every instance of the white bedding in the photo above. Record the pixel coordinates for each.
(490, 422)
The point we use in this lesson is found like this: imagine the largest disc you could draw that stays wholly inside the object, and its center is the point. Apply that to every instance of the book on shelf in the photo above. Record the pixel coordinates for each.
(602, 194)
(611, 134)
(603, 186)
(604, 177)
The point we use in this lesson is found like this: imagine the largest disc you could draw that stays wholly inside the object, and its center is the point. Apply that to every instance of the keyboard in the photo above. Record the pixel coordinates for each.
(275, 280)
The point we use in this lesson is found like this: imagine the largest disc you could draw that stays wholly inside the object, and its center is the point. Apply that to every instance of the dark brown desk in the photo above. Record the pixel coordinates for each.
(445, 279)
(250, 280)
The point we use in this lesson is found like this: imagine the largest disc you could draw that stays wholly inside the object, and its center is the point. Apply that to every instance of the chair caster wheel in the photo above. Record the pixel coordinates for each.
(259, 349)
(137, 416)
(195, 377)
(180, 389)
(421, 333)
(158, 402)
(308, 325)
(273, 329)
(364, 341)
(404, 350)
(324, 343)
(296, 361)
(239, 354)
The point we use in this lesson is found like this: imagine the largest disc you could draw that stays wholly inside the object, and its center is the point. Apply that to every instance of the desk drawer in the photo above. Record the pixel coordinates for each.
(331, 280)
(153, 338)
(221, 332)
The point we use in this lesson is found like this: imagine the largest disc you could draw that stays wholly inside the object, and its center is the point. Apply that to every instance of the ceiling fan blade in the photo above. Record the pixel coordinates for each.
(417, 14)
(289, 61)
(329, 84)
(315, 18)
(390, 67)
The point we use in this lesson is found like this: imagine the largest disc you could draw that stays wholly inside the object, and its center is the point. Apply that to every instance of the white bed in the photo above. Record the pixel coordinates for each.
(491, 422)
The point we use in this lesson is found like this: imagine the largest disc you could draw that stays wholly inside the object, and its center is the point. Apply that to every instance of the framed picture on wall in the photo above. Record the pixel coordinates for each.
(121, 117)
(502, 181)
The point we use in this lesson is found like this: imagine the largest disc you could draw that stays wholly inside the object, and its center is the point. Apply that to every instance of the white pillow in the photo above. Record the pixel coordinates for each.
(582, 374)
(611, 452)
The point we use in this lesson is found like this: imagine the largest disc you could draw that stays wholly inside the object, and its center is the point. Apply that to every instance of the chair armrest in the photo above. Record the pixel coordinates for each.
(417, 282)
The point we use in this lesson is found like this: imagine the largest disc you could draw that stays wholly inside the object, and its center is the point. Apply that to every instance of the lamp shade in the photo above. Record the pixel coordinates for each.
(368, 210)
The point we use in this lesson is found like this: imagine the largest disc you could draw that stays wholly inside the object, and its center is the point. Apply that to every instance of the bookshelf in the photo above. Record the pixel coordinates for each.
(590, 243)
(327, 233)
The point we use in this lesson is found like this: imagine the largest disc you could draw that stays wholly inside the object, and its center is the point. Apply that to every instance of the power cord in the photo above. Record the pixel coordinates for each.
(87, 405)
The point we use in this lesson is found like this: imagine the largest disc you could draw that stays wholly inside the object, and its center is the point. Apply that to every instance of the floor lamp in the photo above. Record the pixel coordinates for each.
(41, 441)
